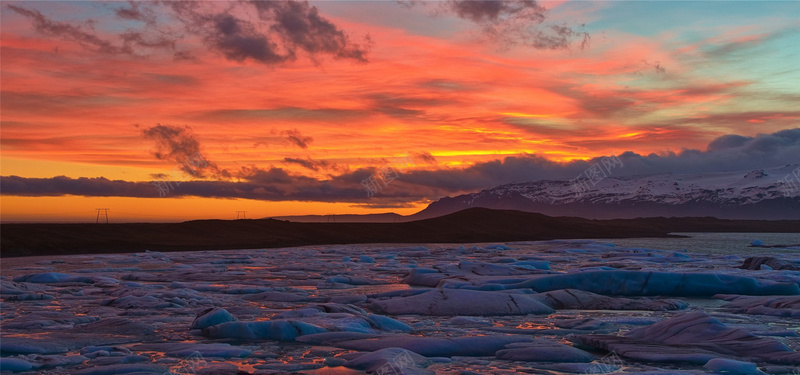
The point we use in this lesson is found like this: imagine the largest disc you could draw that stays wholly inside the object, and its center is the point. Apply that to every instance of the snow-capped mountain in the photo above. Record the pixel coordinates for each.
(757, 194)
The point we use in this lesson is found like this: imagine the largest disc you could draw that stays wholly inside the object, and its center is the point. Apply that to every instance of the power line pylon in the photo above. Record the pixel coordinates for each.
(101, 212)
(241, 215)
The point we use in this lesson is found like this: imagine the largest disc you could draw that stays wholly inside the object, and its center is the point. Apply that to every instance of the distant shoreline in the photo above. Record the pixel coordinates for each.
(468, 226)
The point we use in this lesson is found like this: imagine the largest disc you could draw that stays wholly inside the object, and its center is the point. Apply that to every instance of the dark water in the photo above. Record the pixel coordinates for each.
(719, 243)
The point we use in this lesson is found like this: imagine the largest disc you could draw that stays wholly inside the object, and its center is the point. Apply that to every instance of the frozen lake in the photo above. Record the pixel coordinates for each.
(641, 306)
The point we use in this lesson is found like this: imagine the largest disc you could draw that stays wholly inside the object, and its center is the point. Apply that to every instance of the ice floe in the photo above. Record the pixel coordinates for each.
(692, 337)
(462, 302)
(438, 308)
(788, 306)
(581, 300)
(544, 351)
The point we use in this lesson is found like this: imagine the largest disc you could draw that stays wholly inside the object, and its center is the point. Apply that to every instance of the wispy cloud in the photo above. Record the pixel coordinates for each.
(727, 153)
(296, 138)
(178, 145)
(268, 32)
(128, 43)
(281, 30)
(513, 22)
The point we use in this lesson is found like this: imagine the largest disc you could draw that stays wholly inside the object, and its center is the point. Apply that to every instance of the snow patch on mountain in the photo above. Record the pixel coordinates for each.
(724, 190)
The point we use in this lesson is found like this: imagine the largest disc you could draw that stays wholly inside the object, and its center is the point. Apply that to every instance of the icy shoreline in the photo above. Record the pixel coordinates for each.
(557, 307)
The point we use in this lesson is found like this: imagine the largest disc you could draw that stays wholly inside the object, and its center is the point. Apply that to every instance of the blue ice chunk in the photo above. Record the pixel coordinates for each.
(640, 283)
(183, 350)
(537, 264)
(146, 368)
(732, 367)
(30, 297)
(470, 346)
(26, 345)
(14, 364)
(398, 293)
(352, 280)
(329, 338)
(57, 277)
(497, 247)
(453, 302)
(392, 360)
(366, 259)
(278, 330)
(544, 351)
(212, 316)
(385, 323)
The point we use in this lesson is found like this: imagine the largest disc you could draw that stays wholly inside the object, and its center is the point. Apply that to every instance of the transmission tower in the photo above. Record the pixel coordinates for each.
(241, 215)
(101, 212)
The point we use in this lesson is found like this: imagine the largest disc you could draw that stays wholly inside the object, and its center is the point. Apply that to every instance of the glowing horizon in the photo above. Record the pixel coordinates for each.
(298, 116)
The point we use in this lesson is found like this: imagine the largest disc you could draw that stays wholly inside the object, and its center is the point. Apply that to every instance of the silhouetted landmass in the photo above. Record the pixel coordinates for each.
(471, 225)
(388, 217)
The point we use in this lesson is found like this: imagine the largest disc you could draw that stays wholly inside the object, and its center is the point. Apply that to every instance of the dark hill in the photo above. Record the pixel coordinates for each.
(471, 225)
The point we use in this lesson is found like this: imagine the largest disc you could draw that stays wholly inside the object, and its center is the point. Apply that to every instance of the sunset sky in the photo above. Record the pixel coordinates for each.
(285, 107)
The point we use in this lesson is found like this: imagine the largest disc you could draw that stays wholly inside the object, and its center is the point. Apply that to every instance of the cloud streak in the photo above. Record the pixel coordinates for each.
(727, 153)
(178, 145)
(128, 43)
(279, 32)
(515, 22)
(296, 138)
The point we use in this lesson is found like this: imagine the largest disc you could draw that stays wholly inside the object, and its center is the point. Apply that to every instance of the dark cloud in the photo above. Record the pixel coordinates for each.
(388, 102)
(172, 142)
(296, 138)
(305, 163)
(133, 38)
(597, 102)
(384, 205)
(127, 43)
(424, 157)
(171, 79)
(178, 145)
(446, 85)
(300, 27)
(513, 22)
(496, 10)
(727, 142)
(236, 39)
(280, 31)
(54, 104)
(62, 185)
(727, 153)
(746, 46)
(552, 37)
(136, 12)
(81, 34)
(736, 120)
(268, 32)
(283, 113)
(314, 165)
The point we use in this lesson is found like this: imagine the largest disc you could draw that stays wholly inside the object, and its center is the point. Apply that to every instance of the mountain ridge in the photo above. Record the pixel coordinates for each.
(755, 194)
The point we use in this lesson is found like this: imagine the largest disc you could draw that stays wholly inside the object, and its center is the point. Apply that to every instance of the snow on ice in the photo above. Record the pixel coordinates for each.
(560, 307)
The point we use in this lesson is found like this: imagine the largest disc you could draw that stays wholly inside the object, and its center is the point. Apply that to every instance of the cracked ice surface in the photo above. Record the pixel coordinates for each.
(551, 307)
